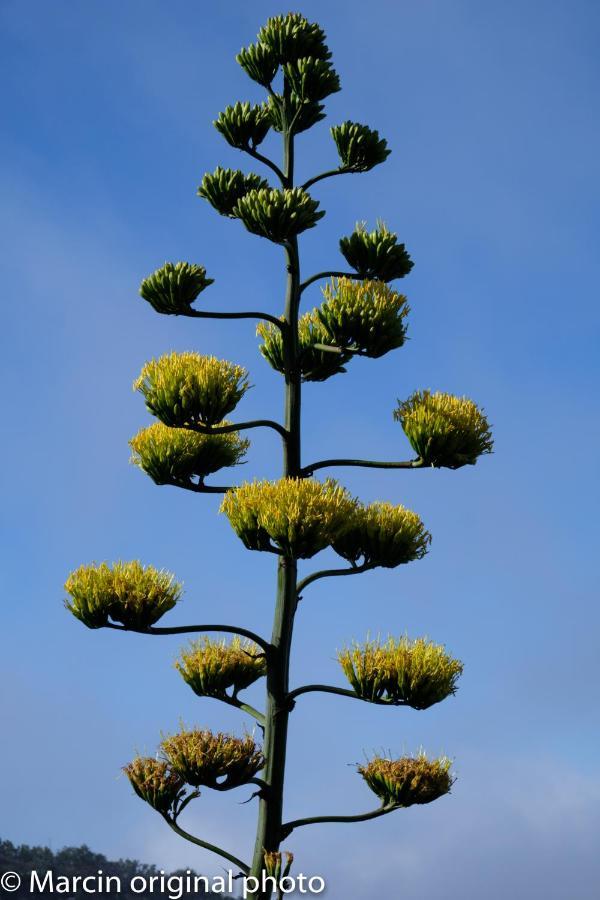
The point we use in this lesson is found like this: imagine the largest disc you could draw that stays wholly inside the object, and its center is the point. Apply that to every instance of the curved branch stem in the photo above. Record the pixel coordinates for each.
(267, 162)
(198, 629)
(342, 170)
(202, 314)
(320, 275)
(364, 463)
(244, 707)
(212, 847)
(198, 487)
(342, 692)
(239, 426)
(331, 573)
(288, 827)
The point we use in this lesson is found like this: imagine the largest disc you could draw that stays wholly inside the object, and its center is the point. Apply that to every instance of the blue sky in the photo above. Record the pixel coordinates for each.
(491, 112)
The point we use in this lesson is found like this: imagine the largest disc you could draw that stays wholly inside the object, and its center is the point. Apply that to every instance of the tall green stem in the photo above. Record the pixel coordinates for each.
(268, 835)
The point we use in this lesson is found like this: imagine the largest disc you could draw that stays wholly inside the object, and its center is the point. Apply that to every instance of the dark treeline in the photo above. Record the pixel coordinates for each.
(73, 861)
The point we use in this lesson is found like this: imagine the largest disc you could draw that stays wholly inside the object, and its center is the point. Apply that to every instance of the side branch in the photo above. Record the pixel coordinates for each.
(320, 275)
(363, 463)
(198, 487)
(342, 170)
(239, 426)
(198, 629)
(267, 162)
(205, 314)
(343, 692)
(288, 827)
(212, 847)
(331, 573)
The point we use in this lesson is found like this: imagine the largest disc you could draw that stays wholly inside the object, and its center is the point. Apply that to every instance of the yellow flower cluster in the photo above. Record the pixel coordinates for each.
(175, 455)
(211, 667)
(295, 516)
(381, 534)
(220, 761)
(315, 365)
(444, 430)
(408, 781)
(367, 315)
(186, 389)
(416, 673)
(128, 592)
(154, 782)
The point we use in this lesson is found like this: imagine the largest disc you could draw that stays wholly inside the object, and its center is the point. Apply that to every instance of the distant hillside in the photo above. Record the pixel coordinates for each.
(81, 861)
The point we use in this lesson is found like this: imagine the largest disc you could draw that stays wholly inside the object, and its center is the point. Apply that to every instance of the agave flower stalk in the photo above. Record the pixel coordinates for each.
(296, 516)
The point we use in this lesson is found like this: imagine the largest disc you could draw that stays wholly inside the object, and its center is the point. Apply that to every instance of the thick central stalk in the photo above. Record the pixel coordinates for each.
(268, 835)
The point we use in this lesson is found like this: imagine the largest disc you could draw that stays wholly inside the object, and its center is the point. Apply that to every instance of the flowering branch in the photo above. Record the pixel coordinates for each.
(212, 847)
(288, 827)
(343, 692)
(363, 463)
(196, 629)
(331, 573)
(320, 275)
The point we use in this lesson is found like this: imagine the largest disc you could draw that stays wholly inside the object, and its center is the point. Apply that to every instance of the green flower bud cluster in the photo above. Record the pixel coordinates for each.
(312, 79)
(299, 47)
(128, 592)
(360, 148)
(303, 114)
(174, 287)
(187, 389)
(154, 782)
(292, 36)
(381, 534)
(295, 516)
(376, 254)
(219, 761)
(176, 455)
(211, 667)
(416, 673)
(444, 430)
(408, 781)
(367, 316)
(276, 214)
(224, 187)
(259, 62)
(244, 125)
(315, 365)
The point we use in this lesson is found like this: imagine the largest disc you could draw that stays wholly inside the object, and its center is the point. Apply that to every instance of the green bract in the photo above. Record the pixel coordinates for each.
(315, 365)
(214, 760)
(367, 316)
(154, 782)
(211, 668)
(174, 287)
(416, 673)
(187, 389)
(408, 781)
(360, 147)
(291, 37)
(444, 430)
(312, 79)
(297, 516)
(259, 62)
(376, 254)
(176, 455)
(381, 534)
(278, 215)
(224, 187)
(128, 592)
(244, 125)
